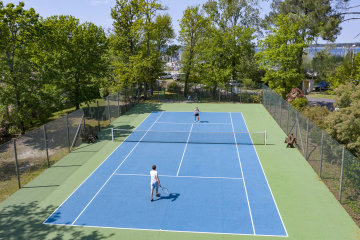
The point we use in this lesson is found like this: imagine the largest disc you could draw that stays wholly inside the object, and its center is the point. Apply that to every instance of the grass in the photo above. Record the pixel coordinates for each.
(325, 95)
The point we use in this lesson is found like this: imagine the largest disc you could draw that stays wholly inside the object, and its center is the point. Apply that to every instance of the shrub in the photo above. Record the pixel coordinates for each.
(317, 114)
(173, 87)
(300, 103)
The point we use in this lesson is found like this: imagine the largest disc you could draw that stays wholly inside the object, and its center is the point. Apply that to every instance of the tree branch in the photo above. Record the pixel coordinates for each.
(351, 19)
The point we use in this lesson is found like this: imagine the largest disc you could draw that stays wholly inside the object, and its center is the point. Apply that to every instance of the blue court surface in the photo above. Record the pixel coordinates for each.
(214, 186)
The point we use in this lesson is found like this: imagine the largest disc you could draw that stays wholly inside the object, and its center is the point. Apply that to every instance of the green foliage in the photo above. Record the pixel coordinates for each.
(321, 18)
(173, 87)
(347, 72)
(344, 124)
(138, 42)
(325, 64)
(46, 65)
(193, 27)
(281, 54)
(19, 86)
(300, 103)
(317, 114)
(78, 51)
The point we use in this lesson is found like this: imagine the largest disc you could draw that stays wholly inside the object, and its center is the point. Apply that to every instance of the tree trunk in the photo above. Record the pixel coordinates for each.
(77, 93)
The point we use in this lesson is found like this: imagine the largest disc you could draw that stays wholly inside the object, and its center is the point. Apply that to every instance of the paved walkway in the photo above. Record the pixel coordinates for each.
(329, 103)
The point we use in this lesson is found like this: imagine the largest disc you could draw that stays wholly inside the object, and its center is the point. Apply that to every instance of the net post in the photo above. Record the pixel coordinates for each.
(46, 145)
(112, 134)
(16, 164)
(341, 173)
(321, 152)
(265, 135)
(67, 132)
(109, 115)
(98, 114)
(307, 138)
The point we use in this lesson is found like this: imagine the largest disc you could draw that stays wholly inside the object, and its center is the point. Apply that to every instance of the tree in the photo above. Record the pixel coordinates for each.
(18, 84)
(325, 64)
(139, 36)
(344, 124)
(348, 71)
(321, 17)
(237, 22)
(279, 55)
(79, 51)
(172, 51)
(162, 32)
(192, 31)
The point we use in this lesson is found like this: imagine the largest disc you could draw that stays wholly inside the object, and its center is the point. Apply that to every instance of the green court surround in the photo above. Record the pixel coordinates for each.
(307, 207)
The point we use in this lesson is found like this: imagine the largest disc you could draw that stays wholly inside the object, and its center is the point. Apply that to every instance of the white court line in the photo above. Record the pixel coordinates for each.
(177, 174)
(265, 177)
(114, 172)
(174, 176)
(242, 174)
(192, 123)
(165, 230)
(91, 174)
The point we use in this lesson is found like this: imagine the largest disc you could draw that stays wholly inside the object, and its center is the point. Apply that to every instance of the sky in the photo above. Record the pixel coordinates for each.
(98, 12)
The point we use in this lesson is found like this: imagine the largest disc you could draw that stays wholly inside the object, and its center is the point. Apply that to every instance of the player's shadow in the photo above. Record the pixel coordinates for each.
(171, 196)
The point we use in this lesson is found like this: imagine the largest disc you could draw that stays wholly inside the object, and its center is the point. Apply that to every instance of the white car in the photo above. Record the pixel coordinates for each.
(165, 76)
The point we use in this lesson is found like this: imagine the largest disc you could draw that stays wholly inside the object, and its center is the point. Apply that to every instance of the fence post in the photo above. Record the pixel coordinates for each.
(307, 138)
(240, 95)
(275, 113)
(280, 112)
(109, 115)
(321, 151)
(297, 121)
(342, 171)
(67, 132)
(84, 125)
(118, 100)
(98, 114)
(16, 164)
(46, 145)
(288, 118)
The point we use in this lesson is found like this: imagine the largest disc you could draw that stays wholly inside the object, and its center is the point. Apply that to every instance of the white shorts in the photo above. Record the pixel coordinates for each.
(154, 185)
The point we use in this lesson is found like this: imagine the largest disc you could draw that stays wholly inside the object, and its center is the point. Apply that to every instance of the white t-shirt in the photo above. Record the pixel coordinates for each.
(153, 175)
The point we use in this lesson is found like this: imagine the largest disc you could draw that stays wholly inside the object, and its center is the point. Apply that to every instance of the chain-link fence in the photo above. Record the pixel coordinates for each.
(164, 90)
(337, 167)
(26, 156)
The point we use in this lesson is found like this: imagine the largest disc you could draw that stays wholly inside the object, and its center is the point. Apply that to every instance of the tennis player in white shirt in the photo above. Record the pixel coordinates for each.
(155, 182)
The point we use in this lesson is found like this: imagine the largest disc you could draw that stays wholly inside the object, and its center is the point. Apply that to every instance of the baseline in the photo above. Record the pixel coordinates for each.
(174, 176)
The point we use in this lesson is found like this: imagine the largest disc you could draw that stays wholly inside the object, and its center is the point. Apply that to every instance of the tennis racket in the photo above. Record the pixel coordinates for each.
(164, 190)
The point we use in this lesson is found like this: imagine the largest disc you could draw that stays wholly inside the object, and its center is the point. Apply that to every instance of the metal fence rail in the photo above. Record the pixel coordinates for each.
(336, 166)
(29, 154)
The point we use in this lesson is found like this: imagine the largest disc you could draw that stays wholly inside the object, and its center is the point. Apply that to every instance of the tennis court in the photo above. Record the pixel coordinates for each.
(215, 179)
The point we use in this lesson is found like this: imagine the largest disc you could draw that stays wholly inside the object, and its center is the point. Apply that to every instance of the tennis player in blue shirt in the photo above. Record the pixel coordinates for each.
(197, 112)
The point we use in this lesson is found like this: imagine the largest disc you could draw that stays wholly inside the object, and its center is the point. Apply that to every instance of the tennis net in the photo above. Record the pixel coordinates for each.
(193, 137)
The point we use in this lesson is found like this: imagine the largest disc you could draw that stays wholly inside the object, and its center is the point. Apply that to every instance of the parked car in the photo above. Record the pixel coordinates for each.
(321, 86)
(178, 76)
(165, 76)
(233, 83)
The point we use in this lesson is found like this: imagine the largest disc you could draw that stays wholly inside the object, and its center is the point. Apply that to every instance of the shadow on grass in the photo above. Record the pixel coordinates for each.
(25, 221)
